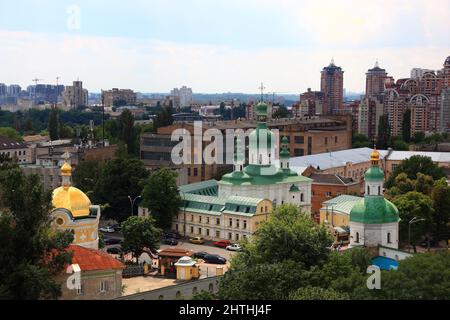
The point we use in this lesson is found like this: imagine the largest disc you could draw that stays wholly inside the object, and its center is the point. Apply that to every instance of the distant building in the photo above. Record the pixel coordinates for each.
(15, 150)
(311, 104)
(332, 86)
(75, 96)
(112, 97)
(182, 97)
(369, 112)
(375, 81)
(419, 72)
(445, 110)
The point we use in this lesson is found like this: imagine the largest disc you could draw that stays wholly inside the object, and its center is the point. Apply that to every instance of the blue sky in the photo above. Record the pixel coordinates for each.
(216, 46)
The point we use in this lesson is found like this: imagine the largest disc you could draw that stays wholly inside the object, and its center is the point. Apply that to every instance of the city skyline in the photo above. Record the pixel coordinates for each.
(219, 47)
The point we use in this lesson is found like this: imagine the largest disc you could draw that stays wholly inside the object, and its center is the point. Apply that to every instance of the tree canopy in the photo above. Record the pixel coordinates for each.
(140, 233)
(161, 196)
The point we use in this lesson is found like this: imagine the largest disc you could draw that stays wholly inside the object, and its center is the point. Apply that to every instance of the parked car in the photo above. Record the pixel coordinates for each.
(222, 243)
(110, 241)
(424, 243)
(197, 240)
(172, 234)
(114, 250)
(107, 229)
(214, 259)
(234, 247)
(200, 255)
(170, 241)
(117, 227)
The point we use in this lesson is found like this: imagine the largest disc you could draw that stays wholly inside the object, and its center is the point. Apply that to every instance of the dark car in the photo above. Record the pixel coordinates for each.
(114, 250)
(214, 259)
(170, 241)
(424, 243)
(171, 234)
(200, 255)
(117, 227)
(110, 241)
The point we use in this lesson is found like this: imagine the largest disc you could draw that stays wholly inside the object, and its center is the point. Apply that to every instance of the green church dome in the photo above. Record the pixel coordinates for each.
(374, 210)
(374, 173)
(261, 133)
(284, 153)
(261, 109)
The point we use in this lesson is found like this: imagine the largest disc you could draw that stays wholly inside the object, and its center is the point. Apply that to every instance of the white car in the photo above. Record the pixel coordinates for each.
(107, 229)
(234, 247)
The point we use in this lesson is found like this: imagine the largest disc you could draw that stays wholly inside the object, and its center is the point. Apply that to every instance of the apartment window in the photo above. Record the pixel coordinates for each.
(207, 220)
(103, 286)
(207, 232)
(192, 218)
(217, 221)
(237, 223)
(389, 237)
(200, 219)
(245, 224)
(230, 236)
(230, 222)
(200, 231)
(192, 230)
(195, 172)
(299, 152)
(299, 139)
(328, 194)
(217, 234)
(237, 237)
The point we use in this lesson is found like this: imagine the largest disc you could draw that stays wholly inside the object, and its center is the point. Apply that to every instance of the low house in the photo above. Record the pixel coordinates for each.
(100, 276)
(187, 269)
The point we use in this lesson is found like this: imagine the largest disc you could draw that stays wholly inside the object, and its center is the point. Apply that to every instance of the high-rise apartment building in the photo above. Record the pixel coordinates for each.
(117, 97)
(375, 81)
(311, 103)
(332, 85)
(75, 96)
(369, 113)
(445, 110)
(417, 73)
(182, 97)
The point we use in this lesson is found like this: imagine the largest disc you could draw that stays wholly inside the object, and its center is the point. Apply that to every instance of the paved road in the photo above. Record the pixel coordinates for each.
(201, 247)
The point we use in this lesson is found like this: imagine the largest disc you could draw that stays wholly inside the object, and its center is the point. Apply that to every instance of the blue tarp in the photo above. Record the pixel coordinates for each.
(385, 263)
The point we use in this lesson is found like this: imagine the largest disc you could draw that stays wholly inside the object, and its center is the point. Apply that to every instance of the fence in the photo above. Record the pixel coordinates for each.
(133, 271)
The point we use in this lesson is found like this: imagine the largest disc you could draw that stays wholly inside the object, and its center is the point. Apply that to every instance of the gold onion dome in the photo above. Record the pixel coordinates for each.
(70, 198)
(374, 155)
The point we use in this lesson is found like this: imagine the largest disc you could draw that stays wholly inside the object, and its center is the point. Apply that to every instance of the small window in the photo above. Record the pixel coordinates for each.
(103, 286)
(357, 237)
(389, 237)
(245, 224)
(217, 221)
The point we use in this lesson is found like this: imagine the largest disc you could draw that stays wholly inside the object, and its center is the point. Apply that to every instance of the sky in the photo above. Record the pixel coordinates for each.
(220, 45)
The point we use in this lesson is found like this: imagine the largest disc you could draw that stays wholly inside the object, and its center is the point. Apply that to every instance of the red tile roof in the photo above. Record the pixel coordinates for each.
(173, 252)
(91, 259)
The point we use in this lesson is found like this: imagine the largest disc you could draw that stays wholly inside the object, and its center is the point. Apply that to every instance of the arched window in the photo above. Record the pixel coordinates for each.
(357, 237)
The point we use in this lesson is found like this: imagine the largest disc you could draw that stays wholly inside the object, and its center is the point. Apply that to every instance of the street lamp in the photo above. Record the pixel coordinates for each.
(412, 221)
(132, 201)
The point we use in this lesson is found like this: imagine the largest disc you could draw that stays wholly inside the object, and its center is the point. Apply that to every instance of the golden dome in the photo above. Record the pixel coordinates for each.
(72, 199)
(374, 155)
(66, 169)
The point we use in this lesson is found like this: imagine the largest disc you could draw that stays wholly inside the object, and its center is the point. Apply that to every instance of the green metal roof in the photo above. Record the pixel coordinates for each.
(374, 173)
(374, 210)
(206, 188)
(261, 109)
(262, 175)
(342, 204)
(212, 205)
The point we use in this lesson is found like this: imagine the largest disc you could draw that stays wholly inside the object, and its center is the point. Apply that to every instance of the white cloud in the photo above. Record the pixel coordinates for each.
(155, 66)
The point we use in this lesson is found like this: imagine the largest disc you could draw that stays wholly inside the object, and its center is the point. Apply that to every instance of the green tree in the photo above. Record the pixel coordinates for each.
(400, 145)
(424, 183)
(406, 126)
(10, 133)
(360, 140)
(441, 203)
(164, 117)
(410, 205)
(29, 129)
(86, 175)
(53, 124)
(120, 178)
(128, 133)
(384, 132)
(161, 196)
(31, 253)
(140, 233)
(424, 276)
(418, 137)
(402, 184)
(281, 112)
(412, 166)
